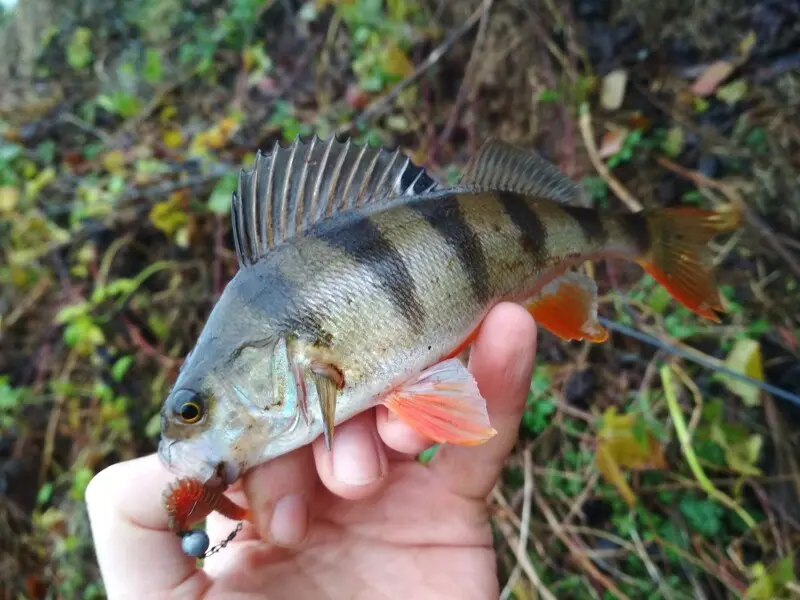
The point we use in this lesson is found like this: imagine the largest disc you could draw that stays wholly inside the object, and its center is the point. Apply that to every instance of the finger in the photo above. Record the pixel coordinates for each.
(278, 494)
(399, 436)
(501, 361)
(138, 556)
(356, 466)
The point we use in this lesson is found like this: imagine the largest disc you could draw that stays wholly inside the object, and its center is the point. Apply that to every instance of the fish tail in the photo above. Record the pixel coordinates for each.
(676, 254)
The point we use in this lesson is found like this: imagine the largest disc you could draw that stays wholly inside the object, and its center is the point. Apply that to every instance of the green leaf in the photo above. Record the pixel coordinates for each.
(121, 367)
(220, 200)
(704, 516)
(744, 358)
(153, 71)
(45, 493)
(79, 51)
(80, 481)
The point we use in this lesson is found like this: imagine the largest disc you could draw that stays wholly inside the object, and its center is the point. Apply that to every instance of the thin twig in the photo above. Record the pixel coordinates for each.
(588, 139)
(384, 102)
(579, 556)
(467, 88)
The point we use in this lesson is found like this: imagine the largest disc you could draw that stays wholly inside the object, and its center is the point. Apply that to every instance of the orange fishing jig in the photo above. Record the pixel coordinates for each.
(185, 497)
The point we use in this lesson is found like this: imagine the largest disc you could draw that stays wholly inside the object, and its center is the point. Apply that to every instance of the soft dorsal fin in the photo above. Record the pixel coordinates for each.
(290, 189)
(501, 166)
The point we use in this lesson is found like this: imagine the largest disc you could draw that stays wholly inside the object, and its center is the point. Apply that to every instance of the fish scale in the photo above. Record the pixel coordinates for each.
(361, 279)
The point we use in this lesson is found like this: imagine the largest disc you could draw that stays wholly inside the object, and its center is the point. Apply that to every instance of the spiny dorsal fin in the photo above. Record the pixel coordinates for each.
(502, 166)
(290, 189)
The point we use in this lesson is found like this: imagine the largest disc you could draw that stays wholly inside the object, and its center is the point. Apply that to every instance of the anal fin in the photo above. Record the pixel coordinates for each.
(567, 307)
(444, 404)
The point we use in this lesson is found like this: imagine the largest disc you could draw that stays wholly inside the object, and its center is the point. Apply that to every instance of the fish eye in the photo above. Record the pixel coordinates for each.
(187, 407)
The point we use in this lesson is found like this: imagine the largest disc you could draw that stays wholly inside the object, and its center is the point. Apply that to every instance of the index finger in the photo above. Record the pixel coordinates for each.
(137, 553)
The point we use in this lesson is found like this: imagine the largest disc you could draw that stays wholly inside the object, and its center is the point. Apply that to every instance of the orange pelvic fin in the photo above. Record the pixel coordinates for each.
(567, 307)
(676, 258)
(444, 404)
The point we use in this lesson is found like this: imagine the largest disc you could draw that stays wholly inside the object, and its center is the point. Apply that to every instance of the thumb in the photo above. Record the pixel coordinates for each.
(139, 557)
(501, 360)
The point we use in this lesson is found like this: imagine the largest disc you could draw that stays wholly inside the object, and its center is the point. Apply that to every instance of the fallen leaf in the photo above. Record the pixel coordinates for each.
(396, 63)
(741, 454)
(38, 183)
(747, 44)
(612, 142)
(621, 443)
(114, 161)
(612, 93)
(707, 83)
(744, 358)
(9, 198)
(673, 144)
(732, 92)
(169, 215)
(173, 138)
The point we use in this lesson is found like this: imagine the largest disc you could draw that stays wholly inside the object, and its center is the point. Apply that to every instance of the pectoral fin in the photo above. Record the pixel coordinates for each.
(567, 307)
(327, 391)
(444, 404)
(315, 363)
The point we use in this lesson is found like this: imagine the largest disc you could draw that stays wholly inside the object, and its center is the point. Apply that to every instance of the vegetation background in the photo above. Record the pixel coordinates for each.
(638, 473)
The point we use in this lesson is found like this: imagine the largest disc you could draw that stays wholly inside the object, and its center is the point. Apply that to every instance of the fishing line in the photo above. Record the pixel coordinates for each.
(648, 339)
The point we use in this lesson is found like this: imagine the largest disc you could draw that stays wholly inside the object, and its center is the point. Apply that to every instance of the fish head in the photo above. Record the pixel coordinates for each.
(234, 403)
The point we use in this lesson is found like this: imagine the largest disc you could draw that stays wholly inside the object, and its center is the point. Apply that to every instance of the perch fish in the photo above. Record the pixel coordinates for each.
(361, 279)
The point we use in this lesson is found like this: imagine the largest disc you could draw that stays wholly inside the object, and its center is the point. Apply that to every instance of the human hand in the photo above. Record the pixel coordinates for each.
(366, 520)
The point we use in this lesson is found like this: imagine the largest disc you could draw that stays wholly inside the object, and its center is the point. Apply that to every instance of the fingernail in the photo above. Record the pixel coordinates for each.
(356, 456)
(289, 522)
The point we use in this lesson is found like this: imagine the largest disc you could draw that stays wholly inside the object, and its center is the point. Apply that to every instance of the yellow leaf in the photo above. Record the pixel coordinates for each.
(168, 215)
(9, 198)
(396, 63)
(173, 138)
(114, 162)
(610, 470)
(619, 445)
(745, 358)
(747, 44)
(38, 183)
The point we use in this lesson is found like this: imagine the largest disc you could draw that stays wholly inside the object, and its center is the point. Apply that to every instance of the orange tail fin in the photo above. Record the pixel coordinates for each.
(676, 258)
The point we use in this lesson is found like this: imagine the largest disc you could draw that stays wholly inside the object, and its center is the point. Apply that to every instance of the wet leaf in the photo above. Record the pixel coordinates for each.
(624, 441)
(612, 93)
(744, 358)
(709, 81)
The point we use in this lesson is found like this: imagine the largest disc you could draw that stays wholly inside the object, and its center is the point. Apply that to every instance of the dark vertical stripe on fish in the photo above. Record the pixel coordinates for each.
(362, 240)
(590, 223)
(636, 229)
(534, 234)
(445, 216)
